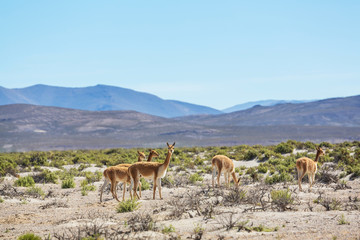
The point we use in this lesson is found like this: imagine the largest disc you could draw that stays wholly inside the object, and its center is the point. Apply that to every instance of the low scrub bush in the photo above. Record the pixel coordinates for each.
(195, 178)
(29, 236)
(27, 181)
(281, 199)
(35, 191)
(127, 206)
(68, 183)
(284, 148)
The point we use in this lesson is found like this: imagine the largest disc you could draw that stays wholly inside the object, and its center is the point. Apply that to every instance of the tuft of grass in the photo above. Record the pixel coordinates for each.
(86, 187)
(68, 183)
(35, 191)
(342, 220)
(27, 181)
(169, 229)
(127, 206)
(29, 236)
(1, 200)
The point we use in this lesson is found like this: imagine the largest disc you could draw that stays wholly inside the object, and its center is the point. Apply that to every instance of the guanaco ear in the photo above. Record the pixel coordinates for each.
(173, 144)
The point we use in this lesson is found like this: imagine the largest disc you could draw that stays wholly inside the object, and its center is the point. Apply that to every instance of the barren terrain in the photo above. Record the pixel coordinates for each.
(187, 211)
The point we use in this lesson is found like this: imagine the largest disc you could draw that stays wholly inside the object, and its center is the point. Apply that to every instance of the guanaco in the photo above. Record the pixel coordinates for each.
(150, 170)
(221, 163)
(307, 166)
(117, 174)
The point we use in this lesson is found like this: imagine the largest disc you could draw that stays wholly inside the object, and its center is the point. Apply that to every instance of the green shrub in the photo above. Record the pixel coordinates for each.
(29, 236)
(86, 187)
(195, 178)
(281, 199)
(93, 177)
(68, 183)
(1, 200)
(250, 154)
(284, 148)
(262, 168)
(277, 178)
(27, 181)
(253, 173)
(127, 206)
(144, 184)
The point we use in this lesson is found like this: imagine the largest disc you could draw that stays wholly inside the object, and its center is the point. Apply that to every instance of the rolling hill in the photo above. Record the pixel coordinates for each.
(101, 98)
(25, 127)
(344, 112)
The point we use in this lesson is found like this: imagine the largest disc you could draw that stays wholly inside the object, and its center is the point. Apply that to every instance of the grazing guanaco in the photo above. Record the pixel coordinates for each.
(150, 170)
(307, 166)
(117, 174)
(221, 163)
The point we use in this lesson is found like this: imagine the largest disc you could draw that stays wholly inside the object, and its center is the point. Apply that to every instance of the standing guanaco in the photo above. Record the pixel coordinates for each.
(307, 166)
(221, 163)
(150, 170)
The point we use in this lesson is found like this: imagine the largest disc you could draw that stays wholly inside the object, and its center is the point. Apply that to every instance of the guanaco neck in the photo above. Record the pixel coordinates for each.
(167, 160)
(151, 154)
(139, 159)
(317, 156)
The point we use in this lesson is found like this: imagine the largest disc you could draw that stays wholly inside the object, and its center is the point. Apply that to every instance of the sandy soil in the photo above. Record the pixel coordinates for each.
(195, 211)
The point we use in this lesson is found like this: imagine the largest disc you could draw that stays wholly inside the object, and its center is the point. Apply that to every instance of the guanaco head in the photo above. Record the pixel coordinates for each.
(141, 156)
(319, 152)
(171, 147)
(152, 153)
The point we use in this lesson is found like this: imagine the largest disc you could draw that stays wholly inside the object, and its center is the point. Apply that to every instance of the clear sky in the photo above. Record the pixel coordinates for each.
(213, 53)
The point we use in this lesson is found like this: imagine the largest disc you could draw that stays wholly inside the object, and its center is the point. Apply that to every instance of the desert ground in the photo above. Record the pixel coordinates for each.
(187, 210)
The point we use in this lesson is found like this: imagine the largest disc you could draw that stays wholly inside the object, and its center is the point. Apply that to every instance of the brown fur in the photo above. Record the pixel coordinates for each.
(117, 174)
(307, 166)
(152, 154)
(221, 163)
(152, 170)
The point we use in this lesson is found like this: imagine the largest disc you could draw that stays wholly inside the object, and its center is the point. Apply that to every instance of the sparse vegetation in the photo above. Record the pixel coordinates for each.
(27, 181)
(268, 183)
(127, 206)
(29, 236)
(68, 183)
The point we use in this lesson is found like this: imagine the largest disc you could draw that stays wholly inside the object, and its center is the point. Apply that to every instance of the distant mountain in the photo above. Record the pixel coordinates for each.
(328, 112)
(101, 98)
(264, 103)
(26, 127)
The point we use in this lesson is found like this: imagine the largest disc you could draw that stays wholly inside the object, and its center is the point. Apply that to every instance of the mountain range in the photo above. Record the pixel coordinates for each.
(25, 127)
(101, 98)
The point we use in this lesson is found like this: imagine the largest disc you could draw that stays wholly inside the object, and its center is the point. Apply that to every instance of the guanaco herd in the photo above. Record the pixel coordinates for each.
(131, 173)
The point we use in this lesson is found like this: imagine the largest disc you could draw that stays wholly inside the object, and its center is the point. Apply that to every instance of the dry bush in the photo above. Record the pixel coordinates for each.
(55, 204)
(328, 203)
(259, 197)
(228, 220)
(7, 189)
(326, 176)
(139, 222)
(281, 199)
(234, 197)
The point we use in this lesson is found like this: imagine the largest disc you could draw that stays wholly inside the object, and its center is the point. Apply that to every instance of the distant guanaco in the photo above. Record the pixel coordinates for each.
(117, 174)
(150, 170)
(221, 163)
(307, 166)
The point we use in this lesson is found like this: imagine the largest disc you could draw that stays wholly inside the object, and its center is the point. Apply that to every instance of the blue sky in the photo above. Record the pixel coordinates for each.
(213, 53)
